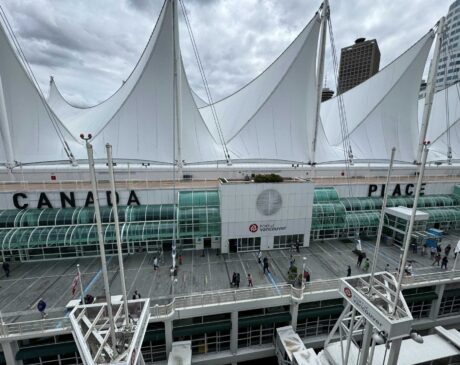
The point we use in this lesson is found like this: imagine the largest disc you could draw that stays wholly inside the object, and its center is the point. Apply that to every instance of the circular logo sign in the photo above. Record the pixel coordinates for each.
(347, 292)
(269, 202)
(253, 228)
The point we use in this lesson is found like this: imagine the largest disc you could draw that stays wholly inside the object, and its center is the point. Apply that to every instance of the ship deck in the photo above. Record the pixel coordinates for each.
(52, 280)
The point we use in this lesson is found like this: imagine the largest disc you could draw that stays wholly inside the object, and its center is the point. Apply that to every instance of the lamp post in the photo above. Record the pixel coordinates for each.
(92, 172)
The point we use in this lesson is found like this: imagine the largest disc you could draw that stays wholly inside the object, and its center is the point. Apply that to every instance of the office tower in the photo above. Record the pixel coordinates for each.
(449, 63)
(357, 63)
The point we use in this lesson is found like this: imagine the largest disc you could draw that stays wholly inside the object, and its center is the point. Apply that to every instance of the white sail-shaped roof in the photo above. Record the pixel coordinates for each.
(138, 119)
(31, 128)
(382, 111)
(272, 118)
(445, 115)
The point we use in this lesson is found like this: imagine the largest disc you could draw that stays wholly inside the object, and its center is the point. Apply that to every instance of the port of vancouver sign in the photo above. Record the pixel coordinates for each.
(393, 327)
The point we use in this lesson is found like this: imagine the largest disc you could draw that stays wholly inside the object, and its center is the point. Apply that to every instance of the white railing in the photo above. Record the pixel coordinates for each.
(36, 326)
(148, 183)
(220, 297)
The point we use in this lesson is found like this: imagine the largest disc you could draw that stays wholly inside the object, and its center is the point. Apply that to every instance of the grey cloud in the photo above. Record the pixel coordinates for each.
(91, 47)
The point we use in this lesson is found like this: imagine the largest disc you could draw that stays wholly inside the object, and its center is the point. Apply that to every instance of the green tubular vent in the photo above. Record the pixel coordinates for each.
(325, 195)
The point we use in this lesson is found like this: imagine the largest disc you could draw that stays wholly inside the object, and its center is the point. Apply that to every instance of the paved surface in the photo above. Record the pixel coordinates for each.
(52, 280)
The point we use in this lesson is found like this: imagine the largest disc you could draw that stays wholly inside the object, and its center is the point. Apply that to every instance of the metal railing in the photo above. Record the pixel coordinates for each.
(42, 326)
(220, 297)
(148, 183)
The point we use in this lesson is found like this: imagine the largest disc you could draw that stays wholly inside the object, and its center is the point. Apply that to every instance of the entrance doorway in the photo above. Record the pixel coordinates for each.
(233, 245)
(207, 243)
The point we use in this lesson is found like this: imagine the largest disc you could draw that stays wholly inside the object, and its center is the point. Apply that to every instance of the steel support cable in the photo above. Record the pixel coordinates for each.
(31, 75)
(205, 82)
(347, 151)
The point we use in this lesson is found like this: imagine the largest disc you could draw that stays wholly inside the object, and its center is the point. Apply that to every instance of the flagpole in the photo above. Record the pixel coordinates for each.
(82, 293)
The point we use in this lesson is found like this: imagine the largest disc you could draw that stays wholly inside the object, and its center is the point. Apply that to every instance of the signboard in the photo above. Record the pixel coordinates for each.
(393, 327)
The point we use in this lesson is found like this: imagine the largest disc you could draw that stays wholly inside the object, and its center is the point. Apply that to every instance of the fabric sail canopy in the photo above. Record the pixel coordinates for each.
(272, 117)
(382, 112)
(444, 126)
(30, 132)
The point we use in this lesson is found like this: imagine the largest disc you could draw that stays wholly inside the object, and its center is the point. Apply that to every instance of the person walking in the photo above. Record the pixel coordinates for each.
(250, 280)
(237, 279)
(259, 257)
(155, 263)
(433, 252)
(447, 250)
(233, 282)
(266, 269)
(360, 259)
(367, 263)
(291, 261)
(387, 267)
(136, 295)
(6, 268)
(306, 276)
(437, 259)
(444, 263)
(297, 246)
(349, 271)
(41, 306)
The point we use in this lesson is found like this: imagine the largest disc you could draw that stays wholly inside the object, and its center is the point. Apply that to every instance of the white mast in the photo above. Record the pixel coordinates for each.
(5, 130)
(320, 74)
(177, 87)
(430, 88)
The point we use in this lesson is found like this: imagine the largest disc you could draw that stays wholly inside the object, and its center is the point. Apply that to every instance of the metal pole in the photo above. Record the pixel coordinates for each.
(382, 220)
(5, 134)
(430, 89)
(108, 299)
(320, 73)
(411, 226)
(178, 85)
(366, 343)
(113, 195)
(81, 285)
(350, 335)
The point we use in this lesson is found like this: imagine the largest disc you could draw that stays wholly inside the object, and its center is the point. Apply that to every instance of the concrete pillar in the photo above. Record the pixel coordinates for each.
(436, 303)
(394, 352)
(294, 309)
(9, 351)
(234, 333)
(168, 336)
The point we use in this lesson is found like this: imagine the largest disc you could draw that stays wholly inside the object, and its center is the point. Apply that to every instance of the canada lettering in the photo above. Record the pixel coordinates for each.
(68, 200)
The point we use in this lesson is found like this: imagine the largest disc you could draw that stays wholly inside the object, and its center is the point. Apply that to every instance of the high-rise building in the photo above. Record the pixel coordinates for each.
(449, 63)
(326, 94)
(357, 63)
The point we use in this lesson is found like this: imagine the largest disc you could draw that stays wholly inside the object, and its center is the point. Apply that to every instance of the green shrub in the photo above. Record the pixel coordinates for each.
(268, 178)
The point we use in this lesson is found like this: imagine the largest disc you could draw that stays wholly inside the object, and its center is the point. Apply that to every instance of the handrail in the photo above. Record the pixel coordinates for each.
(219, 297)
(147, 183)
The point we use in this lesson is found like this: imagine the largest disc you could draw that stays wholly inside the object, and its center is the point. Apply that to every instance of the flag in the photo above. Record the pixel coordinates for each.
(75, 283)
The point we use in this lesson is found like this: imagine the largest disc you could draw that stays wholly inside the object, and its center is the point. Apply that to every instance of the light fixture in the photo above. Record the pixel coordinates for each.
(416, 336)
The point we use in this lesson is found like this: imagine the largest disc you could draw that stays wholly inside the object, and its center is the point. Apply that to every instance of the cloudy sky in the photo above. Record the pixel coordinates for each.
(92, 46)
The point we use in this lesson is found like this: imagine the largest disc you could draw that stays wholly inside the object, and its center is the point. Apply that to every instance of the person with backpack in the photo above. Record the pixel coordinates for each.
(41, 306)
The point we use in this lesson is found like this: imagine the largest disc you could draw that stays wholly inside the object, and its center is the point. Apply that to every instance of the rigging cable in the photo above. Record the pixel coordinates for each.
(347, 150)
(31, 75)
(205, 83)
